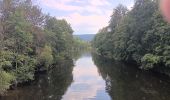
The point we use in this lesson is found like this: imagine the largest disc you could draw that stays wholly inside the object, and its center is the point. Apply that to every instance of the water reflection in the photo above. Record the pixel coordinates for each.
(125, 82)
(82, 53)
(88, 84)
(47, 87)
(94, 78)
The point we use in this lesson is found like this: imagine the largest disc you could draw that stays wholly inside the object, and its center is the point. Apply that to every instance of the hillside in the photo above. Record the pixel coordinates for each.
(86, 37)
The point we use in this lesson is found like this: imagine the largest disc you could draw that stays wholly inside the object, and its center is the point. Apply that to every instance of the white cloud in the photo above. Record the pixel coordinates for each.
(60, 5)
(99, 2)
(89, 23)
(85, 16)
(91, 6)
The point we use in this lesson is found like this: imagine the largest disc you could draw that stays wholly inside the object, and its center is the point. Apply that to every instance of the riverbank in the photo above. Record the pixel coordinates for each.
(62, 71)
(157, 69)
(138, 36)
(104, 78)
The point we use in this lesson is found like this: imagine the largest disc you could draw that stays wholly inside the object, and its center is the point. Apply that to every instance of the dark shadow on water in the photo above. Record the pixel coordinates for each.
(50, 86)
(121, 82)
(126, 82)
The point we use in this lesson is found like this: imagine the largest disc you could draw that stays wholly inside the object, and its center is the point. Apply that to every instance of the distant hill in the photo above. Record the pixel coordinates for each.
(86, 37)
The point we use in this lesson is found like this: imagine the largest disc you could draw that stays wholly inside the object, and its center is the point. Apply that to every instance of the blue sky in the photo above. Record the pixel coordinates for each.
(85, 16)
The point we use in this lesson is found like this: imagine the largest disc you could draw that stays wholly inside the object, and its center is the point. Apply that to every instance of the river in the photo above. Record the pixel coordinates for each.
(91, 77)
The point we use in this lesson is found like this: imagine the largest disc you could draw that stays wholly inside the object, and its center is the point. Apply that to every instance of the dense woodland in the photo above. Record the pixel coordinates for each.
(31, 41)
(139, 35)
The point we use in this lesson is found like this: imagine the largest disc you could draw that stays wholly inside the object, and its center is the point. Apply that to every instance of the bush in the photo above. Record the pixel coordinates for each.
(149, 61)
(5, 80)
(46, 58)
(21, 66)
(24, 68)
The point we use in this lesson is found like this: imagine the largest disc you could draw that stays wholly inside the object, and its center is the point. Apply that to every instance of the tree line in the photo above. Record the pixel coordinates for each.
(140, 35)
(30, 41)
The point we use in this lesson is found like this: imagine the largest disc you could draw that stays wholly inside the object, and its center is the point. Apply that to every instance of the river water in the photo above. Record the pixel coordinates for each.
(91, 77)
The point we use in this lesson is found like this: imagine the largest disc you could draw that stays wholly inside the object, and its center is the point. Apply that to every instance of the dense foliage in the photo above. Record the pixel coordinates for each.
(81, 45)
(30, 41)
(140, 35)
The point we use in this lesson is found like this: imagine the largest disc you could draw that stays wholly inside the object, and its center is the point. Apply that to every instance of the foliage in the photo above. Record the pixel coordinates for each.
(46, 58)
(149, 61)
(59, 36)
(29, 39)
(20, 66)
(5, 80)
(24, 68)
(79, 45)
(140, 35)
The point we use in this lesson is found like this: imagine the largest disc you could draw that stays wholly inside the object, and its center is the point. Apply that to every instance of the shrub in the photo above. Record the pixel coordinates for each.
(149, 61)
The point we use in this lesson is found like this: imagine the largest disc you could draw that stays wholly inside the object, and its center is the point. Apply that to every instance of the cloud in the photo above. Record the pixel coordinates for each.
(88, 23)
(60, 5)
(99, 2)
(92, 6)
(85, 16)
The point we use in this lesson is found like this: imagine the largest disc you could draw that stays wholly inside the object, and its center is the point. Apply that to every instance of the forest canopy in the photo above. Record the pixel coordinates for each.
(140, 35)
(30, 41)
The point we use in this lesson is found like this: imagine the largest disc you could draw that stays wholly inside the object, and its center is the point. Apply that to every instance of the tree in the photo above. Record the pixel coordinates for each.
(117, 16)
(29, 39)
(140, 36)
(104, 41)
(45, 59)
(59, 36)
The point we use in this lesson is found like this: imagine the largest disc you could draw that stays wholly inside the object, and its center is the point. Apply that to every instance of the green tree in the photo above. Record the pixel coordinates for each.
(140, 35)
(29, 39)
(46, 58)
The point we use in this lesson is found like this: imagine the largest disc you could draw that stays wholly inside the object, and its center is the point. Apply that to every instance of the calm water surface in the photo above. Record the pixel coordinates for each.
(94, 78)
(88, 83)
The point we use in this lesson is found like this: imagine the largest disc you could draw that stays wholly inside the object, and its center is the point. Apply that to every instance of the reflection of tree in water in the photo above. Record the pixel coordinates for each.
(47, 87)
(125, 82)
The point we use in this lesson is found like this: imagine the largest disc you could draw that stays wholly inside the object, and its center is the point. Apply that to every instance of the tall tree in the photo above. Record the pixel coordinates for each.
(141, 36)
(117, 16)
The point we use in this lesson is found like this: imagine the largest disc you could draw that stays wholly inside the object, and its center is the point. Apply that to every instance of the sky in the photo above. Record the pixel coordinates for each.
(85, 16)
